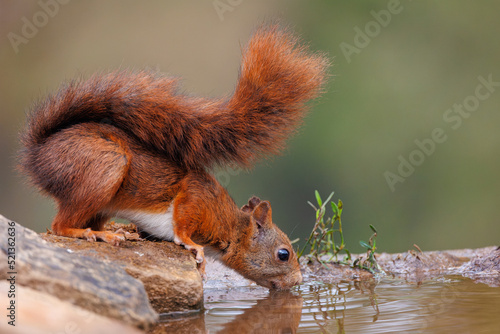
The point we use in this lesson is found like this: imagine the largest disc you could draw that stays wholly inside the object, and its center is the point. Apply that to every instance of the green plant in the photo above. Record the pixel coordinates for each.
(327, 239)
(370, 263)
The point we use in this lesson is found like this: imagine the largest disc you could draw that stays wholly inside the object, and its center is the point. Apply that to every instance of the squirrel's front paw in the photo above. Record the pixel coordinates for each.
(198, 252)
(201, 270)
(200, 260)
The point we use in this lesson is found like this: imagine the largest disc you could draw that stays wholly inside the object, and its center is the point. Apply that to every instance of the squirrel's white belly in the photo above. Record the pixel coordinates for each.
(160, 225)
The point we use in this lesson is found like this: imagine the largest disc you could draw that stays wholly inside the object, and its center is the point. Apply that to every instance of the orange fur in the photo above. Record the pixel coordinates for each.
(129, 141)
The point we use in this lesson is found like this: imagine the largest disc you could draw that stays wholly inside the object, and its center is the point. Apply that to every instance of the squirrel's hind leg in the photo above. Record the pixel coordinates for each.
(65, 220)
(86, 166)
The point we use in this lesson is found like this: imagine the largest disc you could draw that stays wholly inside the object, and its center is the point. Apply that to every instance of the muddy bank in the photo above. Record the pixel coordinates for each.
(131, 283)
(167, 271)
(481, 265)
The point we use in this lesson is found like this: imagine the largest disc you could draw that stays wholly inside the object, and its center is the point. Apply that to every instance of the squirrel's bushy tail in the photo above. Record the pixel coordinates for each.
(278, 76)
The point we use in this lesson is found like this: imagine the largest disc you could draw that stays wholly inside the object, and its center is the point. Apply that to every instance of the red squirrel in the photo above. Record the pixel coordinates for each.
(127, 144)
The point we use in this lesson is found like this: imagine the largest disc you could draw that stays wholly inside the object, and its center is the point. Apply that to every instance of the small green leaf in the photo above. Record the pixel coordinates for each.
(318, 198)
(335, 209)
(348, 254)
(365, 245)
(373, 228)
(340, 207)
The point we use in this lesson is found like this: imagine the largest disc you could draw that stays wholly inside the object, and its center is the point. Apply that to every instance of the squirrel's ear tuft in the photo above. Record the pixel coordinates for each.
(262, 214)
(252, 203)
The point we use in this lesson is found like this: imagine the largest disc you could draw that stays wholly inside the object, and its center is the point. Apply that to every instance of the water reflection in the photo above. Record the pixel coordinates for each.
(326, 305)
(280, 312)
(449, 305)
(452, 305)
(253, 311)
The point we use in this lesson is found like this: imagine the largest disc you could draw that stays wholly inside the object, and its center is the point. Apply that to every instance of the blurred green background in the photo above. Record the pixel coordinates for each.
(391, 87)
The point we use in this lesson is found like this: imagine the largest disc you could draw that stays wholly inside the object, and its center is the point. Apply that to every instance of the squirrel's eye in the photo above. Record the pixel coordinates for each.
(283, 254)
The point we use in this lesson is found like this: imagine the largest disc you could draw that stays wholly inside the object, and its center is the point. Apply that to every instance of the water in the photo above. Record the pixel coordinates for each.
(446, 305)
